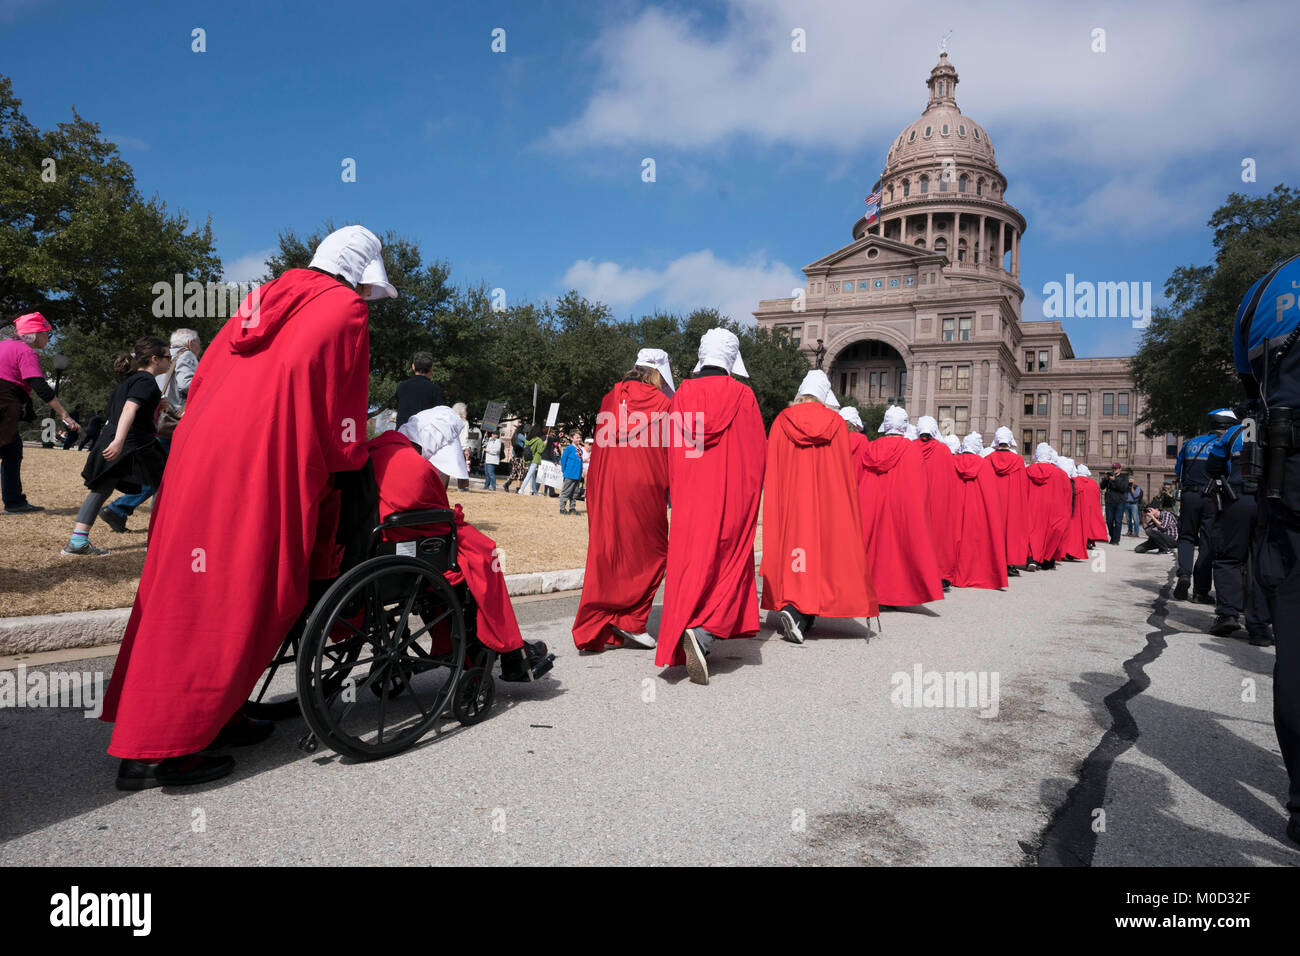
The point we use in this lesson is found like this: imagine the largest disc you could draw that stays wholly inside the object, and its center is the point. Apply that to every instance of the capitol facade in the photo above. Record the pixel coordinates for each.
(922, 309)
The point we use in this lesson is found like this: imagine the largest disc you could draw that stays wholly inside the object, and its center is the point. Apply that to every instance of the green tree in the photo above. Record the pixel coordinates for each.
(1183, 366)
(79, 244)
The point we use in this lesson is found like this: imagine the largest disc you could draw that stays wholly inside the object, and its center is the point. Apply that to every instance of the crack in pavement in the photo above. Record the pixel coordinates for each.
(1069, 838)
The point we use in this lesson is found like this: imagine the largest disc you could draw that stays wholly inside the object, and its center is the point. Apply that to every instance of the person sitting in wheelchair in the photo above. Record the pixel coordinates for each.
(411, 465)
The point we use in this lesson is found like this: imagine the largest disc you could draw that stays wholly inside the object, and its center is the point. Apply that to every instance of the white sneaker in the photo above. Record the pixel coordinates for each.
(640, 640)
(697, 668)
(790, 628)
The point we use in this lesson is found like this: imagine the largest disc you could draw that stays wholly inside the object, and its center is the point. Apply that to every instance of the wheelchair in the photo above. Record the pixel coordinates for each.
(389, 648)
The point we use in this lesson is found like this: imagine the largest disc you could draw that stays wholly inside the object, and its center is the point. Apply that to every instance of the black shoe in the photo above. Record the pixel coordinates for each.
(26, 508)
(113, 518)
(947, 585)
(244, 733)
(1224, 624)
(1012, 572)
(1031, 566)
(1198, 598)
(1262, 638)
(789, 620)
(1180, 590)
(278, 710)
(172, 772)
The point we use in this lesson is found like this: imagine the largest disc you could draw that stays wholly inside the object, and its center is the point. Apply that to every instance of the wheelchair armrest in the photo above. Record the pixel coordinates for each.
(404, 519)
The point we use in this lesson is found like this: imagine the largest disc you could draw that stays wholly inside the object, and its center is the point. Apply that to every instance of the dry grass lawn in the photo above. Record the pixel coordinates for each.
(36, 579)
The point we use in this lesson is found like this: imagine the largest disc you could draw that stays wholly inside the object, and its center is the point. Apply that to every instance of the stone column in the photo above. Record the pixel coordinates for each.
(1015, 253)
(929, 230)
(902, 236)
(983, 254)
(994, 391)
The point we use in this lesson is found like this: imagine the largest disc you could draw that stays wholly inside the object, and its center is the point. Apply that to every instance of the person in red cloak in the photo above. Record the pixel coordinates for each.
(278, 404)
(627, 509)
(942, 493)
(814, 558)
(1013, 493)
(715, 478)
(1050, 496)
(858, 442)
(1074, 543)
(1088, 496)
(892, 493)
(981, 538)
(412, 466)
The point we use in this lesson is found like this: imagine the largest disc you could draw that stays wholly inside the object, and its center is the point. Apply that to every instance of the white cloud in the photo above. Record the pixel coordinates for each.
(247, 268)
(695, 280)
(129, 142)
(1177, 82)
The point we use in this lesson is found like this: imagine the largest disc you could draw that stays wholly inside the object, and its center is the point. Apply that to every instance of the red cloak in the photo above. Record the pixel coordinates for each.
(627, 516)
(813, 552)
(981, 543)
(896, 525)
(1074, 543)
(1088, 500)
(942, 497)
(273, 410)
(1049, 509)
(1013, 493)
(408, 482)
(715, 476)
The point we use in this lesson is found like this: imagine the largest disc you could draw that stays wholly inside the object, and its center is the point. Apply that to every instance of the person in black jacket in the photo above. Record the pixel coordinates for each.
(418, 393)
(1116, 487)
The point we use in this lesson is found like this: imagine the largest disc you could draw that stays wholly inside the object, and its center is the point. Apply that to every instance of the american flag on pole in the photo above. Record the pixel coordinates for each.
(873, 207)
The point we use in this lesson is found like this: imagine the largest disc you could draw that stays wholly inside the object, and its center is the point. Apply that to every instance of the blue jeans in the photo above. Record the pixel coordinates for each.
(1114, 519)
(125, 505)
(1131, 513)
(529, 486)
(489, 476)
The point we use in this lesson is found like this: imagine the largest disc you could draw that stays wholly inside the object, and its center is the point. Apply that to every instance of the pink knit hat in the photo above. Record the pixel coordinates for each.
(31, 322)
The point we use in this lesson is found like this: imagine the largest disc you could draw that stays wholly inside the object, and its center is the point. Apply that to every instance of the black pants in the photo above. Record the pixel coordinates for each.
(1156, 540)
(11, 473)
(1275, 552)
(1114, 519)
(1235, 588)
(1195, 523)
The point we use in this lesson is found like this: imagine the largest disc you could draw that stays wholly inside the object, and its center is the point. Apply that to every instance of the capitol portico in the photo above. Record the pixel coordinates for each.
(922, 308)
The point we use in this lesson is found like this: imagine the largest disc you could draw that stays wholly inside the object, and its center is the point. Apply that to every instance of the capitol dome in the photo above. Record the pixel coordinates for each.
(942, 191)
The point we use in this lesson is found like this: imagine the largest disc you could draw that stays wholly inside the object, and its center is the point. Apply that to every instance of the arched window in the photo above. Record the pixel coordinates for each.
(979, 187)
(911, 136)
(977, 135)
(961, 130)
(925, 184)
(891, 192)
(945, 129)
(961, 250)
(907, 188)
(961, 183)
(943, 183)
(941, 245)
(927, 130)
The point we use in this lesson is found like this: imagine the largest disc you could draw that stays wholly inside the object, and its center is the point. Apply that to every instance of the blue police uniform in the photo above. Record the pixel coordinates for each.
(1195, 517)
(1265, 352)
(1235, 589)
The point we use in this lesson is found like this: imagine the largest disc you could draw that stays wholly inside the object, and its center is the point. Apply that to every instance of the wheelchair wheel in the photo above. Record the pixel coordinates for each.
(381, 657)
(474, 696)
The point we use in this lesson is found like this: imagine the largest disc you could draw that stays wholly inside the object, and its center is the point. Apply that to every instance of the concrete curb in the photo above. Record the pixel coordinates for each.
(55, 632)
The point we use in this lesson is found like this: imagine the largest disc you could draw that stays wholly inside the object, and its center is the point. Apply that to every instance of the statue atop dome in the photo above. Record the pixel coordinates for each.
(943, 44)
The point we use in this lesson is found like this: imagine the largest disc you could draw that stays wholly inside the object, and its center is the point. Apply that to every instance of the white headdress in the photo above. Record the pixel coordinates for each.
(953, 443)
(437, 432)
(816, 384)
(850, 415)
(895, 422)
(657, 359)
(377, 278)
(721, 348)
(927, 426)
(347, 252)
(1003, 436)
(972, 444)
(1044, 452)
(1084, 471)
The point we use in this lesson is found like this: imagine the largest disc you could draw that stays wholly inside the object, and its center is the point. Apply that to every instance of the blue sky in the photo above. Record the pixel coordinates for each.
(523, 168)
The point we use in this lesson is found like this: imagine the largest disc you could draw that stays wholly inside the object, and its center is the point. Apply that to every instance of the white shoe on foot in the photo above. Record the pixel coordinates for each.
(640, 640)
(790, 628)
(697, 668)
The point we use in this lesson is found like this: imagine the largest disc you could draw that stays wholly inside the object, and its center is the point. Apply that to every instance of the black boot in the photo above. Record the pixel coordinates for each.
(1180, 590)
(1224, 624)
(172, 772)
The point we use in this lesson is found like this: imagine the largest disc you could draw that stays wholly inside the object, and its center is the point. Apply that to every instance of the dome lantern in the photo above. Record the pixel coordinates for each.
(942, 84)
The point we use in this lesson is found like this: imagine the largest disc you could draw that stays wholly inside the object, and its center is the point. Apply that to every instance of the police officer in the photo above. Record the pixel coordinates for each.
(1265, 353)
(1196, 517)
(1234, 528)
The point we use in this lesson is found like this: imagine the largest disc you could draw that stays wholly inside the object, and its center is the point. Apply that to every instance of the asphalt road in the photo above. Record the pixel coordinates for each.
(791, 755)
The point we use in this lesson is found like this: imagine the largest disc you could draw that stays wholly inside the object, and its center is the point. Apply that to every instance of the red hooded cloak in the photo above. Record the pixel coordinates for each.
(408, 482)
(1049, 509)
(1013, 493)
(981, 544)
(1074, 543)
(627, 516)
(943, 500)
(896, 524)
(715, 477)
(813, 552)
(1088, 501)
(278, 403)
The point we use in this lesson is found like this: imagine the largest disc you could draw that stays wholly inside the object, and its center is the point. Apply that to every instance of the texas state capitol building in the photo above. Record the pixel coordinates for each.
(923, 309)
